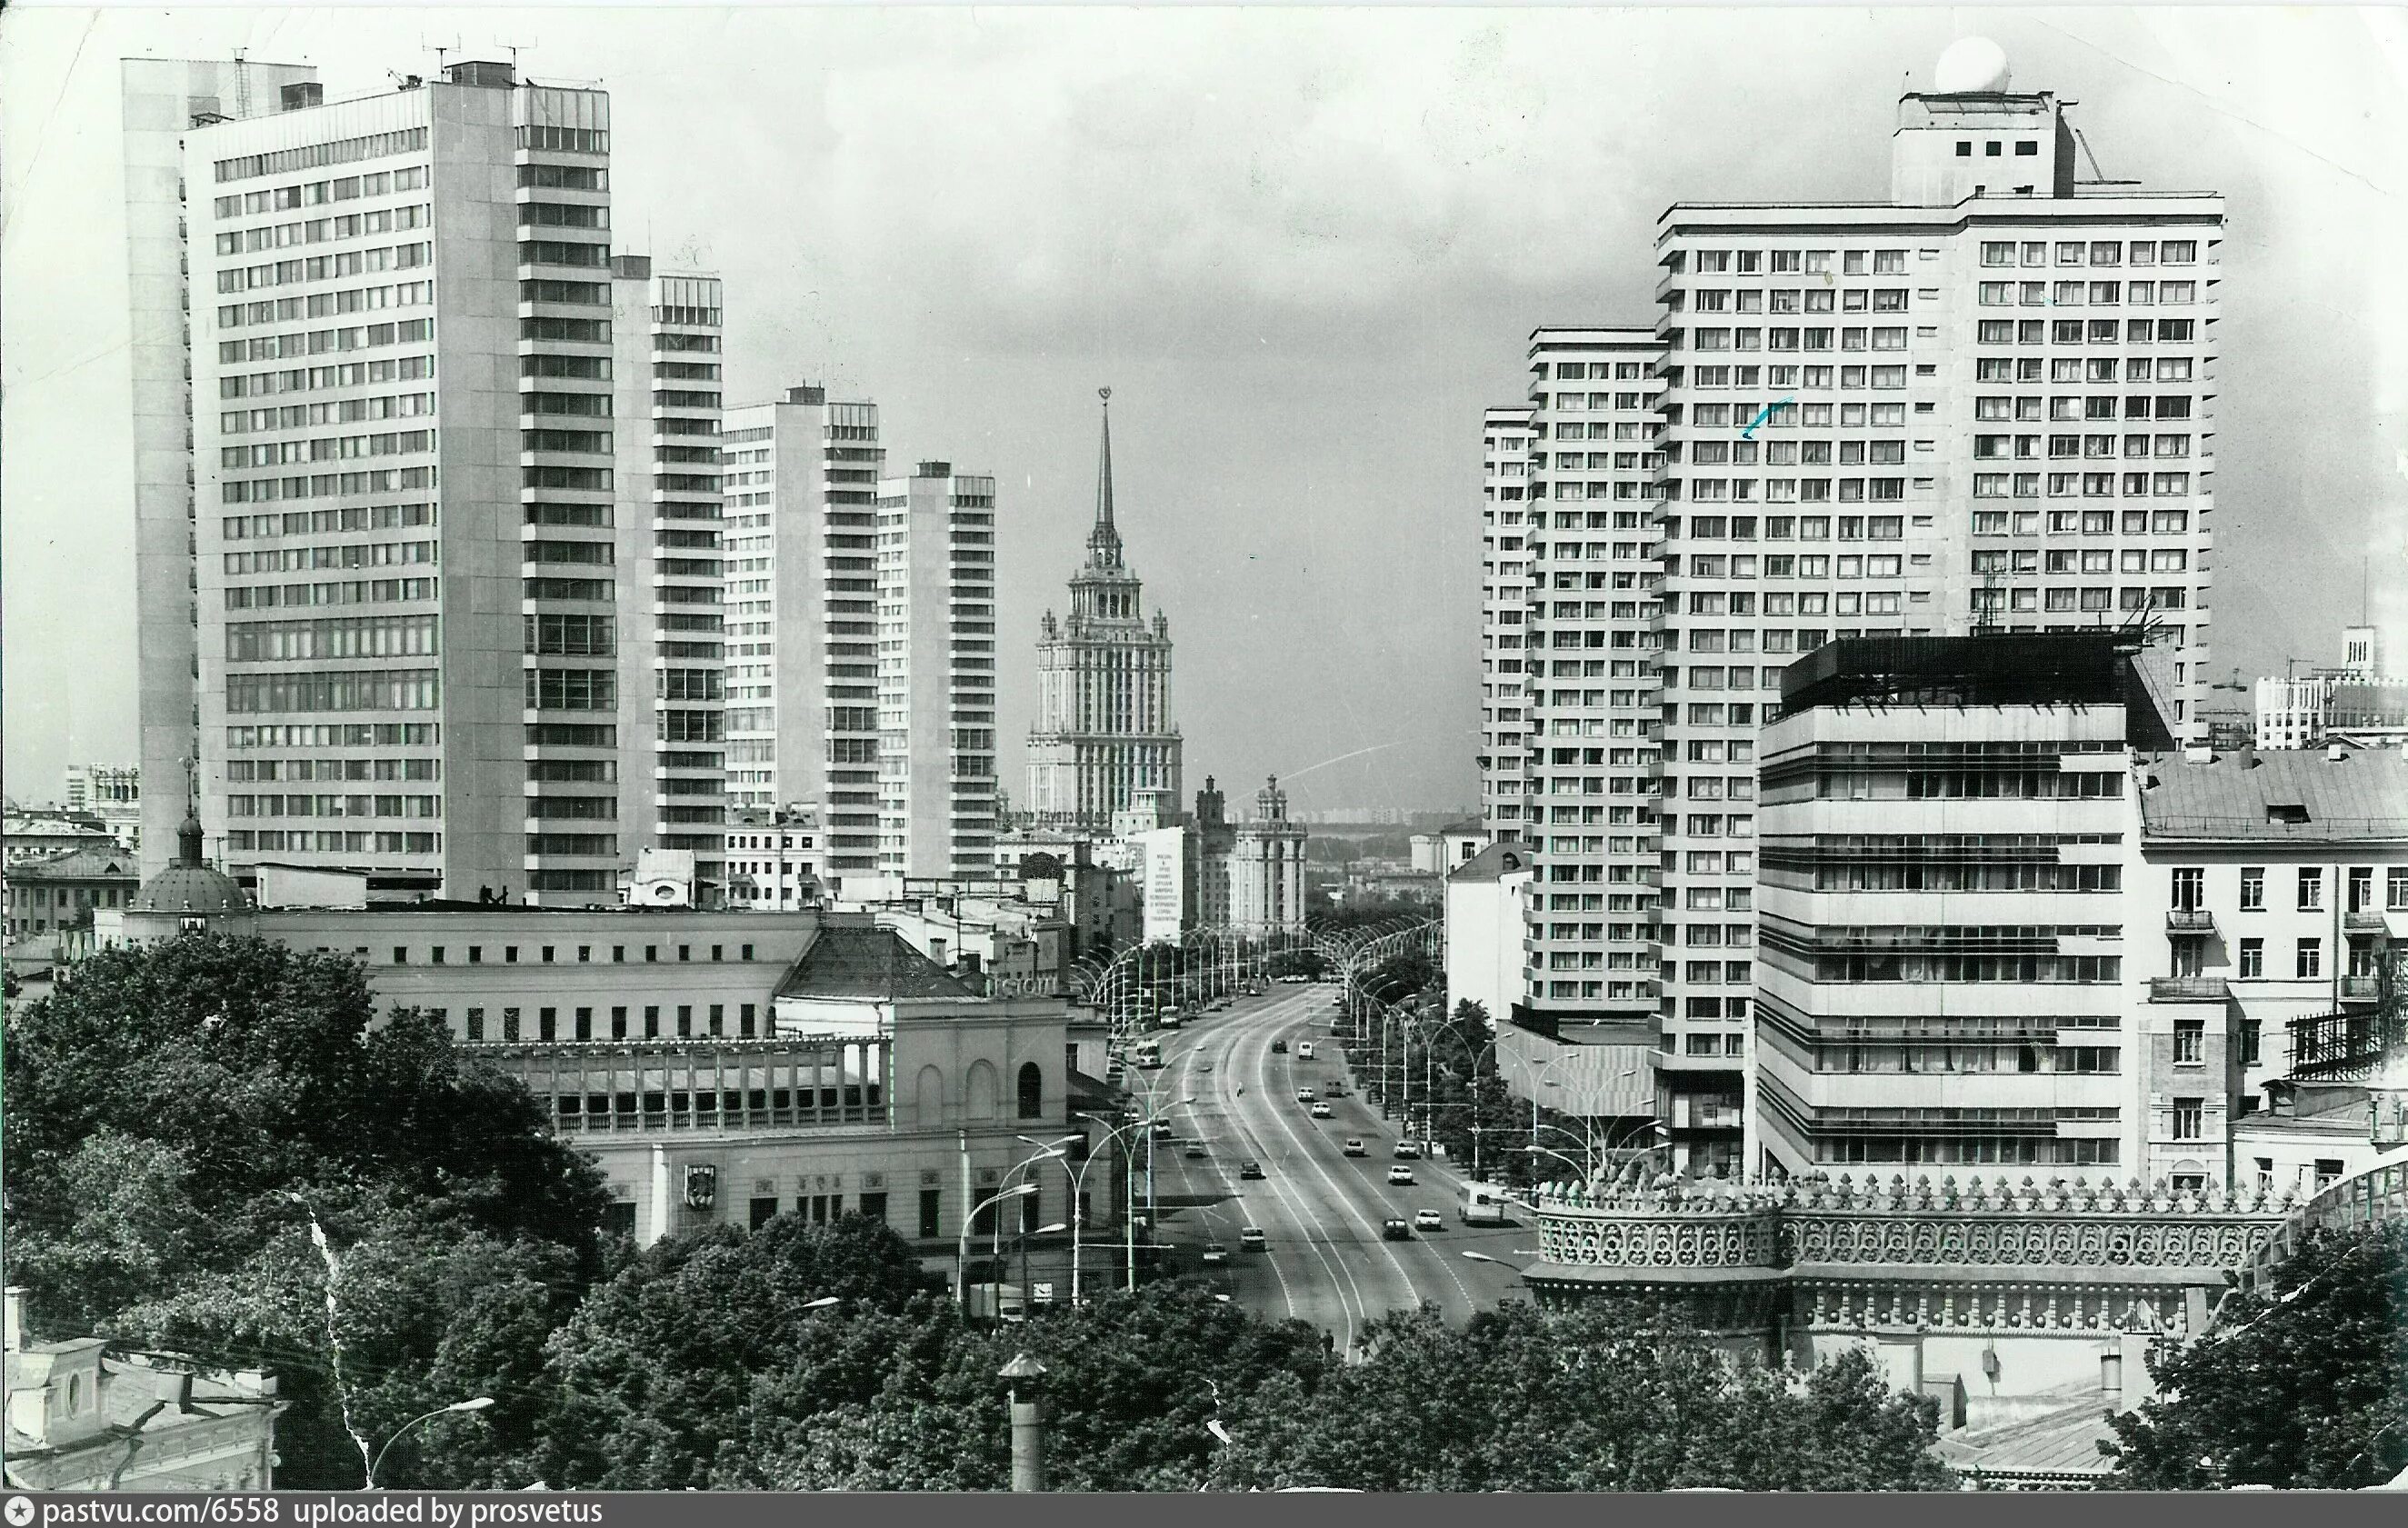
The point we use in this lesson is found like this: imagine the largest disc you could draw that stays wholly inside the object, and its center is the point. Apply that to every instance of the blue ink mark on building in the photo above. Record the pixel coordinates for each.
(1763, 416)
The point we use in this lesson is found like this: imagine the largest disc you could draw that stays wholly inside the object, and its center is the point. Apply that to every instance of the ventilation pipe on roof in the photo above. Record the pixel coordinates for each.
(2335, 753)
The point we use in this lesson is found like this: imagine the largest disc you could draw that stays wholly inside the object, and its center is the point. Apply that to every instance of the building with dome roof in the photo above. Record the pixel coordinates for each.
(191, 889)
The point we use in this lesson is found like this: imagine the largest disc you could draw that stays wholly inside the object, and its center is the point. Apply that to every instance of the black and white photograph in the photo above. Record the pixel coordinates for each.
(1199, 748)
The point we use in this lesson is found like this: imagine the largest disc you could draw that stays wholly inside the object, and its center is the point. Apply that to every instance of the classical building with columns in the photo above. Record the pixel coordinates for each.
(1103, 738)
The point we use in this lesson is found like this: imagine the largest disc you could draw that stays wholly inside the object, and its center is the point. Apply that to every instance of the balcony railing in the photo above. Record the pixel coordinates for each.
(2189, 921)
(2342, 1044)
(2186, 988)
(2361, 988)
(2364, 921)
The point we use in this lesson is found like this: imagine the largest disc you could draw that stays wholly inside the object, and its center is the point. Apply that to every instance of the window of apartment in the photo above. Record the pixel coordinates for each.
(547, 1024)
(476, 1025)
(2252, 958)
(2190, 889)
(931, 1200)
(2362, 889)
(547, 955)
(685, 1020)
(2190, 1119)
(2253, 1034)
(2395, 888)
(2312, 890)
(2328, 1171)
(509, 1023)
(652, 1021)
(2253, 888)
(2311, 959)
(618, 1023)
(476, 954)
(2190, 1042)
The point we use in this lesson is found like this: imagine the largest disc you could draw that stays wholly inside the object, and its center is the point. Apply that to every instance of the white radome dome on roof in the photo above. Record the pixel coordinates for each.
(1972, 66)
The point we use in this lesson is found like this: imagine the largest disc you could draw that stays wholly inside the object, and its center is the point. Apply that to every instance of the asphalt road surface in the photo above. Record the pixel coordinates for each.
(1320, 1210)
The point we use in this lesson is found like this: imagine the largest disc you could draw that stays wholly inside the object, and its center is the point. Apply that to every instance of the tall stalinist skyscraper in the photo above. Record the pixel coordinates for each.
(1104, 742)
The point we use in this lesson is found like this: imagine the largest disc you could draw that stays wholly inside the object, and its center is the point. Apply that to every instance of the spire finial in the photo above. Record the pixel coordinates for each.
(1104, 541)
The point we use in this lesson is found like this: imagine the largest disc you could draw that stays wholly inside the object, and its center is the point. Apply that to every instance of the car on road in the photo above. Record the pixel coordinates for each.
(1216, 1252)
(1306, 1095)
(1354, 1146)
(1162, 1130)
(1251, 1170)
(1323, 1111)
(1304, 1049)
(1279, 1047)
(1195, 1148)
(1428, 1220)
(1400, 1176)
(1394, 1229)
(1407, 1151)
(1251, 1239)
(1333, 1089)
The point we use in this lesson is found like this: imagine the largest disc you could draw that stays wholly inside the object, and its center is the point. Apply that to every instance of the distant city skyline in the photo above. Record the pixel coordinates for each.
(1301, 249)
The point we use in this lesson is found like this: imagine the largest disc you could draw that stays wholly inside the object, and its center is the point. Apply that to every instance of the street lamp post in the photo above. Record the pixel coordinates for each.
(1128, 1195)
(478, 1403)
(962, 1248)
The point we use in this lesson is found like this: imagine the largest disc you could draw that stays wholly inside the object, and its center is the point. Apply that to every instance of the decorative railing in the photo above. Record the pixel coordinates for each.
(2189, 921)
(2186, 988)
(1977, 1224)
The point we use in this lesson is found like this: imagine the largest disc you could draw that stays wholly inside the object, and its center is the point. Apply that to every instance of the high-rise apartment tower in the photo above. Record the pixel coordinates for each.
(936, 674)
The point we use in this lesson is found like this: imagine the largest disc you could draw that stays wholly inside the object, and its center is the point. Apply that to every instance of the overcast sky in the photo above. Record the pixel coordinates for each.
(1304, 248)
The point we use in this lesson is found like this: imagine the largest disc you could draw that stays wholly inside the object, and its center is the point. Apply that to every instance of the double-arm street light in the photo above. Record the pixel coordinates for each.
(1128, 1192)
(962, 1248)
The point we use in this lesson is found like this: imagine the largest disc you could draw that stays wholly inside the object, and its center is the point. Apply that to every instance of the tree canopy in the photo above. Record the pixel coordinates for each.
(2302, 1384)
(184, 1121)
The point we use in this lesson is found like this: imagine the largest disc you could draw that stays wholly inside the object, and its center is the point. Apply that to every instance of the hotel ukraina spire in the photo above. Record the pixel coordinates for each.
(1104, 742)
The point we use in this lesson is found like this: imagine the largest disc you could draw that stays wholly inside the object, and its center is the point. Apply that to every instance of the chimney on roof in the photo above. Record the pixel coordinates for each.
(2335, 753)
(308, 93)
(808, 393)
(936, 469)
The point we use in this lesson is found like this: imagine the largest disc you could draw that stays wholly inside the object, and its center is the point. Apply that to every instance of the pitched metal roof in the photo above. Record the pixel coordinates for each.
(866, 965)
(110, 863)
(2296, 795)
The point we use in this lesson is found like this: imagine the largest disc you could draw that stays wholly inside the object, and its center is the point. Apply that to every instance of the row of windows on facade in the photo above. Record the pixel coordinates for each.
(1789, 300)
(261, 384)
(2189, 888)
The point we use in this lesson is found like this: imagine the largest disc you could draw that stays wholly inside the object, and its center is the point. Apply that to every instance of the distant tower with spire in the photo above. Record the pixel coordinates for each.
(1104, 743)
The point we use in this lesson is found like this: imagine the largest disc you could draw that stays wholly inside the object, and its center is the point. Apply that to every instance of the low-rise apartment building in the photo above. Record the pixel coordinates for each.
(2275, 883)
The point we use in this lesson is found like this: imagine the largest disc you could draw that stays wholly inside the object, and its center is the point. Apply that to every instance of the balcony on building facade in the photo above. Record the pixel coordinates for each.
(2362, 920)
(2189, 921)
(2186, 988)
(2361, 988)
(2343, 1045)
